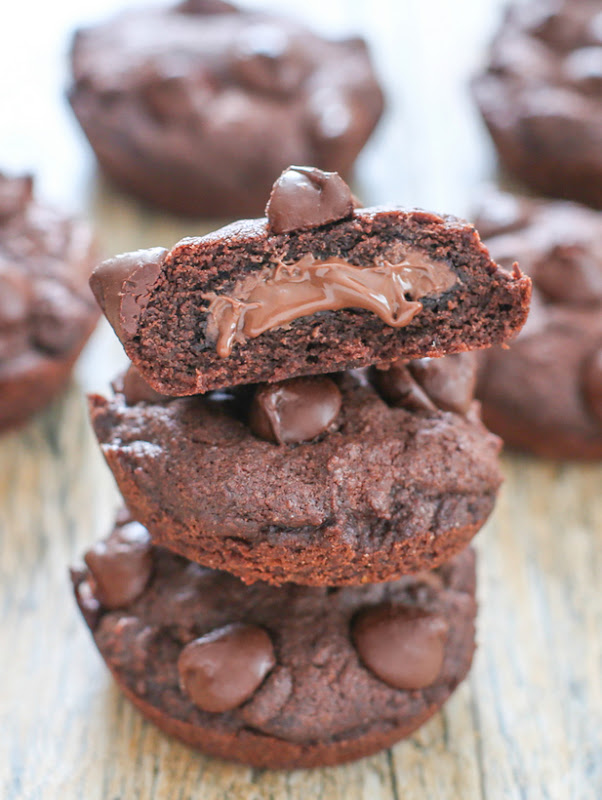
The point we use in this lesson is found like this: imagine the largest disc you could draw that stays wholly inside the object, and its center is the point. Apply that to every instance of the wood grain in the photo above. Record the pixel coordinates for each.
(527, 723)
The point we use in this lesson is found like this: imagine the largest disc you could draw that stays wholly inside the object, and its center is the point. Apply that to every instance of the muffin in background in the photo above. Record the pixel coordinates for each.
(47, 310)
(198, 107)
(541, 97)
(544, 393)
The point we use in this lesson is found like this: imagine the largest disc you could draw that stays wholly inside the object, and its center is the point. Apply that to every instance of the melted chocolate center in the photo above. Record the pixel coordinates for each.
(301, 289)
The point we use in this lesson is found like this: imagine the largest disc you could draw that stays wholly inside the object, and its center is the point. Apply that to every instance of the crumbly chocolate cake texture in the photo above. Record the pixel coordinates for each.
(342, 288)
(277, 677)
(197, 107)
(47, 310)
(544, 394)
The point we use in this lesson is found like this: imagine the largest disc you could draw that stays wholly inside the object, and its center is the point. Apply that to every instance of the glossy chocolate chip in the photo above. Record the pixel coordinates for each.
(296, 410)
(404, 646)
(428, 383)
(449, 382)
(121, 286)
(307, 197)
(592, 384)
(399, 387)
(88, 603)
(265, 58)
(121, 566)
(223, 668)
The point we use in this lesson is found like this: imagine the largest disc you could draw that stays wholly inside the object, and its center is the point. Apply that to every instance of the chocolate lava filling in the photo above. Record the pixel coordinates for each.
(317, 287)
(290, 291)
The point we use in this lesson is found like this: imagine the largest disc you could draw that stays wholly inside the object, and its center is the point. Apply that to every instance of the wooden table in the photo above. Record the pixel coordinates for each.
(528, 721)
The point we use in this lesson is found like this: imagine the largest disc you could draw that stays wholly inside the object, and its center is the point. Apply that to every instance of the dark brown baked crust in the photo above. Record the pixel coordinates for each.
(172, 344)
(198, 112)
(47, 310)
(544, 394)
(319, 705)
(541, 97)
(390, 491)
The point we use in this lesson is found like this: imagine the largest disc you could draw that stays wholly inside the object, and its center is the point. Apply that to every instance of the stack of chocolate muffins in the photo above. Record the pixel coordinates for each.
(303, 467)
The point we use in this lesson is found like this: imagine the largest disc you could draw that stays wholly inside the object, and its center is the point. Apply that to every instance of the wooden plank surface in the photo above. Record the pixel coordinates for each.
(527, 723)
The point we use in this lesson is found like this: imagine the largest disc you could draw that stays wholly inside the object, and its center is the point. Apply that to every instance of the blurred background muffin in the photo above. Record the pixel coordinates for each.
(197, 108)
(544, 394)
(541, 97)
(47, 310)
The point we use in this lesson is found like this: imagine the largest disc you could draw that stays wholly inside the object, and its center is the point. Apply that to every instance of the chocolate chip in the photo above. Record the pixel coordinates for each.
(296, 410)
(592, 384)
(429, 383)
(449, 381)
(88, 603)
(206, 7)
(264, 58)
(223, 668)
(306, 197)
(15, 195)
(136, 390)
(120, 566)
(399, 387)
(404, 646)
(121, 286)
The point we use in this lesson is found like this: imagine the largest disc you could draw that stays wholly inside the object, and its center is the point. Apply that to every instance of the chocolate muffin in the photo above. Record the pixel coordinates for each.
(541, 97)
(47, 310)
(544, 394)
(319, 481)
(319, 286)
(276, 677)
(198, 107)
